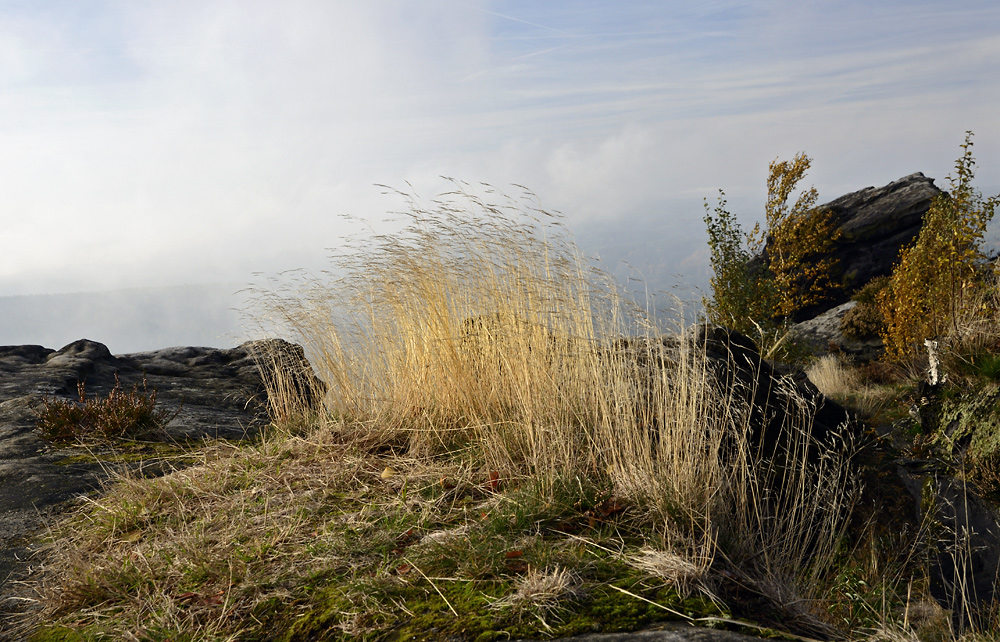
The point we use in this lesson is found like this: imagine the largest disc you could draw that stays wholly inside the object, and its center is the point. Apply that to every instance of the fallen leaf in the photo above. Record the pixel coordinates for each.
(214, 599)
(610, 507)
(512, 554)
(387, 472)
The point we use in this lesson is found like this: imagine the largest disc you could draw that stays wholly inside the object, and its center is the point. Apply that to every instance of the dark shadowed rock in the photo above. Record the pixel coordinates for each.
(671, 632)
(208, 393)
(772, 391)
(965, 547)
(875, 213)
(775, 396)
(876, 223)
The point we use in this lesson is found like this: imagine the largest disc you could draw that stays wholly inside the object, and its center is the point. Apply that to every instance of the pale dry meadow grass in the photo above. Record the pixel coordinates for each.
(482, 328)
(474, 352)
(843, 383)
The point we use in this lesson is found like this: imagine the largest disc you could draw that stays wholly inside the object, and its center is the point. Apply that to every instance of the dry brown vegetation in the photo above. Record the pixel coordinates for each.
(505, 446)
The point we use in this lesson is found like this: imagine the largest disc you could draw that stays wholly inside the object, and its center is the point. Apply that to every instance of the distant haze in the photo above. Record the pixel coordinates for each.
(194, 143)
(132, 320)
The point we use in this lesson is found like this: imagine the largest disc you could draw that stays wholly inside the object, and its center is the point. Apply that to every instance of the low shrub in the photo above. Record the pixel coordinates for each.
(123, 414)
(865, 321)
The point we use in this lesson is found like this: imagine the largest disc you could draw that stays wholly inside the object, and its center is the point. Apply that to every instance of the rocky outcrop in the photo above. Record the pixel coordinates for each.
(875, 223)
(207, 393)
(774, 396)
(963, 540)
(772, 392)
(823, 334)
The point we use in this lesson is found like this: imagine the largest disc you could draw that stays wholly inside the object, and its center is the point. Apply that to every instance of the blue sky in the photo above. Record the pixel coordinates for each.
(167, 143)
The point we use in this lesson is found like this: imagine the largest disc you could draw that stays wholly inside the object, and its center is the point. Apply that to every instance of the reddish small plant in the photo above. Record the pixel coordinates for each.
(123, 414)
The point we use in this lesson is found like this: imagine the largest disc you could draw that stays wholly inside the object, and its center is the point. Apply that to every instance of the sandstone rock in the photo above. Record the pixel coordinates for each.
(209, 393)
(775, 395)
(667, 632)
(965, 554)
(823, 333)
(875, 224)
(771, 390)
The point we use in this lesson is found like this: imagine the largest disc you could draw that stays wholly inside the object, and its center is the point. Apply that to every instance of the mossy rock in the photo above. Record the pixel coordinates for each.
(968, 423)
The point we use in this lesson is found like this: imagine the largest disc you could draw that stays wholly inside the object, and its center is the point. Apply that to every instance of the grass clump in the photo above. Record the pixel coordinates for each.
(504, 447)
(123, 414)
(862, 389)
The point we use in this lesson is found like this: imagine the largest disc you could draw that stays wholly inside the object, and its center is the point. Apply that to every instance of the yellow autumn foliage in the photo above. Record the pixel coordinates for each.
(801, 237)
(797, 272)
(945, 271)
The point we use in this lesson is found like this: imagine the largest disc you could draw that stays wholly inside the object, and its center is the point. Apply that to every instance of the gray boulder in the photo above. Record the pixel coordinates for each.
(823, 334)
(875, 223)
(775, 394)
(963, 541)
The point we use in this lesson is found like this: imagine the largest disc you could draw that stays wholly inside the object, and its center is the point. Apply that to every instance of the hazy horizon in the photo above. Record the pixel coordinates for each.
(157, 145)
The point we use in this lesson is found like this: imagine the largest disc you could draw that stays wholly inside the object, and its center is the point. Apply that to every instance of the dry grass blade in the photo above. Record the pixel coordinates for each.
(541, 592)
(476, 345)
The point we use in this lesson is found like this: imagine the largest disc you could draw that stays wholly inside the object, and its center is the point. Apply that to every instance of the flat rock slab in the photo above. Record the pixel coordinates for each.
(208, 392)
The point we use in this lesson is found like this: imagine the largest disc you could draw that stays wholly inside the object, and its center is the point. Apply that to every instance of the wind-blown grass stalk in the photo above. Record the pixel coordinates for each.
(480, 326)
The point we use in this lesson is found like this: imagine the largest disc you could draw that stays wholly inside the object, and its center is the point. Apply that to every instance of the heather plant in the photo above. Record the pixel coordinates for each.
(946, 271)
(123, 414)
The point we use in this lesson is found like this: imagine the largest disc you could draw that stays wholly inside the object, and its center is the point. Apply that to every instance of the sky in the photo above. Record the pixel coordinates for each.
(161, 144)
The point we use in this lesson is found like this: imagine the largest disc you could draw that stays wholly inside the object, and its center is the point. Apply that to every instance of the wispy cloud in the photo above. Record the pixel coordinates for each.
(163, 143)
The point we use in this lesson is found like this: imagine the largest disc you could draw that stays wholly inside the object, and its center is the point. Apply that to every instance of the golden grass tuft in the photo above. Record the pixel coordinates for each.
(845, 384)
(471, 361)
(481, 328)
(541, 593)
(833, 377)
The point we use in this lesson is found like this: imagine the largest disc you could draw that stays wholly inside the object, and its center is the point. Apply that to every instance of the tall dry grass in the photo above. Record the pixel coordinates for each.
(481, 330)
(844, 383)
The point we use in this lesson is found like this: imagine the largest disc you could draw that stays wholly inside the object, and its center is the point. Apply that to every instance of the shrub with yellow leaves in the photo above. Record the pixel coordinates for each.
(945, 271)
(797, 271)
(800, 239)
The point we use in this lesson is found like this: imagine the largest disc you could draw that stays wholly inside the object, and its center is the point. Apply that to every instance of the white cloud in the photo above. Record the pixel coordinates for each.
(197, 141)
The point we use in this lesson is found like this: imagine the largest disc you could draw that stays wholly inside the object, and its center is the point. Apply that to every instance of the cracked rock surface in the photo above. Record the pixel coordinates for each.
(207, 393)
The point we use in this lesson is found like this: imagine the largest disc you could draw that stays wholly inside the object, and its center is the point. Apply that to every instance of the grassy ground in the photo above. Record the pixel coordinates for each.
(491, 459)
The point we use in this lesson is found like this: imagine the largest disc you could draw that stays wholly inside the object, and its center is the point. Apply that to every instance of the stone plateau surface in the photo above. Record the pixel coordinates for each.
(208, 392)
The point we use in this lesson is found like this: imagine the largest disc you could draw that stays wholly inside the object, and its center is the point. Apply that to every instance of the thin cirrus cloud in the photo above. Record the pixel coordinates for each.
(195, 142)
